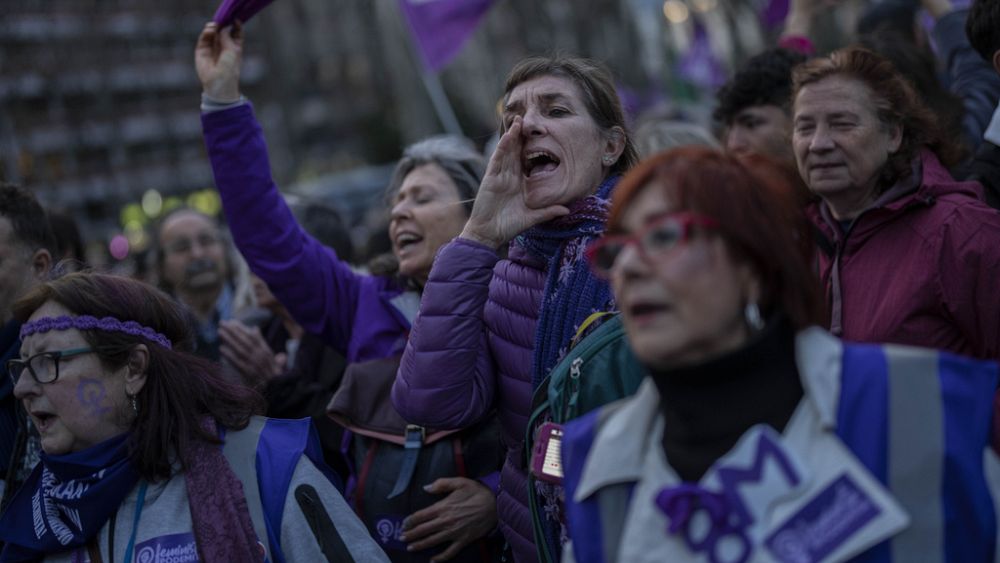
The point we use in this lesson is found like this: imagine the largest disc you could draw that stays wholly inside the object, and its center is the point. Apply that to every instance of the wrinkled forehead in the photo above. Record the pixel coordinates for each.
(187, 223)
(42, 341)
(543, 89)
(654, 199)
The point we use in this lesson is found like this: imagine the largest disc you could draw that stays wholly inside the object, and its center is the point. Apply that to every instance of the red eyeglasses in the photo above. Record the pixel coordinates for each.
(654, 240)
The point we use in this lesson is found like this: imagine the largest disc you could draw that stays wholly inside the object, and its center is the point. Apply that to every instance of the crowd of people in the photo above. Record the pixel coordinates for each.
(775, 344)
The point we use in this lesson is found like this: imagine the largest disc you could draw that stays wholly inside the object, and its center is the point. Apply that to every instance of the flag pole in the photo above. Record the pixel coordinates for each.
(442, 106)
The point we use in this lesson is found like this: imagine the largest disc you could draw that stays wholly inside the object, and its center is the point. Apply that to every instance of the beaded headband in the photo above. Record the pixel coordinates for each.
(87, 322)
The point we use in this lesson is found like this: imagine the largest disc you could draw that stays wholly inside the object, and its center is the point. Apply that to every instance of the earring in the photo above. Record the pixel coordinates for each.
(752, 314)
(135, 403)
(608, 160)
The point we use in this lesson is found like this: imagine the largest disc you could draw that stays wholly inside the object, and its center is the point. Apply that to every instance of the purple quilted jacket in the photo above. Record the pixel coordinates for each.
(471, 348)
(364, 317)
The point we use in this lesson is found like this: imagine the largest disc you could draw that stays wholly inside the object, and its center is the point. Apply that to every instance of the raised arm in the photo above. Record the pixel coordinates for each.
(319, 290)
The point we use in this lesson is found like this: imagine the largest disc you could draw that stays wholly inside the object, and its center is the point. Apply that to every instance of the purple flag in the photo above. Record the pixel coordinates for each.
(440, 27)
(699, 64)
(774, 13)
(243, 10)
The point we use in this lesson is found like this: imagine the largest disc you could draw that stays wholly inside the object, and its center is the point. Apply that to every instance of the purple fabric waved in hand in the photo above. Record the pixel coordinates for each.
(243, 10)
(440, 27)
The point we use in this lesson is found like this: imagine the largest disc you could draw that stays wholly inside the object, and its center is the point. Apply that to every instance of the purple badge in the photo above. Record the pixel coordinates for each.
(175, 548)
(388, 528)
(824, 523)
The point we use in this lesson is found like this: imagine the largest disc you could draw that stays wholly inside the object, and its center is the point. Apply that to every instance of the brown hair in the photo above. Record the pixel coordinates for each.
(598, 89)
(759, 214)
(180, 389)
(896, 104)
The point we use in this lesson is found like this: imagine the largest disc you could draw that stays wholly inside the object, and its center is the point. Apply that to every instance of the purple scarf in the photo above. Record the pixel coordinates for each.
(219, 513)
(572, 292)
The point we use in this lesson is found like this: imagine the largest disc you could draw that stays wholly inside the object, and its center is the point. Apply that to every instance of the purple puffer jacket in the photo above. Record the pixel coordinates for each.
(363, 317)
(478, 316)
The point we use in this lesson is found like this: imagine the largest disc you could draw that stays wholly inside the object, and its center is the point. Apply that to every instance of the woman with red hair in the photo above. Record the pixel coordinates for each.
(758, 436)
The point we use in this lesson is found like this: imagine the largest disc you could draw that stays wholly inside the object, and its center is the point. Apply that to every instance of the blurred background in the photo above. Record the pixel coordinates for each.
(99, 100)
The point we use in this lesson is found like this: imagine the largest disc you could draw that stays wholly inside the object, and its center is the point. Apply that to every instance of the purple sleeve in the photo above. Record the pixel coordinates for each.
(318, 289)
(447, 376)
(492, 481)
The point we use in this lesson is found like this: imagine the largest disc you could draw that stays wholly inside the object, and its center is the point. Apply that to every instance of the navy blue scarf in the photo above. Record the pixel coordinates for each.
(66, 500)
(572, 292)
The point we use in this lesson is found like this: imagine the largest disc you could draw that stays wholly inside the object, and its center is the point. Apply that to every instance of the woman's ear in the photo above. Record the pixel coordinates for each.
(614, 145)
(136, 369)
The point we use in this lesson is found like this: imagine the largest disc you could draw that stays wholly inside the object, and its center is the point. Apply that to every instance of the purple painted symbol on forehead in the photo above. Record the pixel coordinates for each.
(87, 322)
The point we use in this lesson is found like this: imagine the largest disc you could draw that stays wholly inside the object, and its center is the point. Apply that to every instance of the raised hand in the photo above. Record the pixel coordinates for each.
(249, 354)
(217, 59)
(500, 212)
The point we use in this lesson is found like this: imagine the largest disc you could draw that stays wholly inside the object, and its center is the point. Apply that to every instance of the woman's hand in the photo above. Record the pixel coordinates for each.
(468, 513)
(246, 350)
(500, 212)
(217, 59)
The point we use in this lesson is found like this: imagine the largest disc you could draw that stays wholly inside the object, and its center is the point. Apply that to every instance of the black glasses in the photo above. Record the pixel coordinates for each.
(44, 366)
(655, 240)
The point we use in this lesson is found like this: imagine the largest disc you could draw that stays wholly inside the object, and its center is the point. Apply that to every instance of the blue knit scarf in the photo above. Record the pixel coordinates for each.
(572, 292)
(66, 500)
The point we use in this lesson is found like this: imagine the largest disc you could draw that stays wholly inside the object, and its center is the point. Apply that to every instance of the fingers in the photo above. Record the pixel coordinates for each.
(207, 40)
(232, 38)
(421, 517)
(538, 216)
(446, 485)
(431, 541)
(507, 156)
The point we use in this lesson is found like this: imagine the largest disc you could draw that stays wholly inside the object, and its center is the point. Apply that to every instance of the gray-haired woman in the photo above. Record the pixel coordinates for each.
(365, 317)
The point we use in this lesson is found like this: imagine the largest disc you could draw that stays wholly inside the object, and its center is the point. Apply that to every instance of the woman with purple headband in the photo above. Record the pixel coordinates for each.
(149, 452)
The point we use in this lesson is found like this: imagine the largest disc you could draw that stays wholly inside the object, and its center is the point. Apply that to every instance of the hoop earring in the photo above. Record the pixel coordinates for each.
(752, 315)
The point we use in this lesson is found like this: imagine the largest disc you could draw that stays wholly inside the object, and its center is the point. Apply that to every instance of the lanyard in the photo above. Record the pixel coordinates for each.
(135, 521)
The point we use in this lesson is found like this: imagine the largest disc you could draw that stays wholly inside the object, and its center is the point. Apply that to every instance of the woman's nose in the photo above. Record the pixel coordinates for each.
(630, 262)
(25, 385)
(821, 140)
(532, 123)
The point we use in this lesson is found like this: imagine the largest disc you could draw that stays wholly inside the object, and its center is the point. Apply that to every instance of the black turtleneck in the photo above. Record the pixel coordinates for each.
(708, 406)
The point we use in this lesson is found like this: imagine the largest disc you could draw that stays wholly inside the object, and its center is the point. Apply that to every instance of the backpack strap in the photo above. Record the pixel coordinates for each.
(240, 451)
(585, 325)
(414, 442)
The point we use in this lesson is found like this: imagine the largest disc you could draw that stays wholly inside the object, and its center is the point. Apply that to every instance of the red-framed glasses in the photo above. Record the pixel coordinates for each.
(654, 240)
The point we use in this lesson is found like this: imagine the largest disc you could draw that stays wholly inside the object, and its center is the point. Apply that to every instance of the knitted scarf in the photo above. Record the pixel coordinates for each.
(220, 516)
(70, 497)
(571, 292)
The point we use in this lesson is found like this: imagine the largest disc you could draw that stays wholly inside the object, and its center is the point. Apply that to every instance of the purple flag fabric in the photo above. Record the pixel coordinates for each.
(232, 10)
(441, 27)
(699, 65)
(774, 13)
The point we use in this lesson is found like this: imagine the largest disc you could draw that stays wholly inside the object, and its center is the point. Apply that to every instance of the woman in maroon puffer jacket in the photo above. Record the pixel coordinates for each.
(488, 329)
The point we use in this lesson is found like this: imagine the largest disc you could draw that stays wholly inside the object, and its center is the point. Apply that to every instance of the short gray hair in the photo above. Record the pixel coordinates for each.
(456, 155)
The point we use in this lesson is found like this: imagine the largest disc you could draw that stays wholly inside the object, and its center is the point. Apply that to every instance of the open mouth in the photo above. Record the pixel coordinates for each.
(43, 420)
(406, 240)
(640, 310)
(539, 161)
